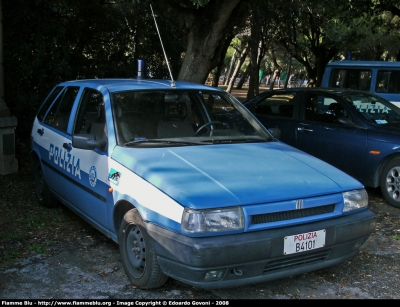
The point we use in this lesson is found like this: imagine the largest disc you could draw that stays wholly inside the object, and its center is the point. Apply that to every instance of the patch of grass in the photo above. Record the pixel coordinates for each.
(26, 227)
(29, 228)
(13, 234)
(395, 237)
(10, 258)
(38, 249)
(18, 224)
(12, 255)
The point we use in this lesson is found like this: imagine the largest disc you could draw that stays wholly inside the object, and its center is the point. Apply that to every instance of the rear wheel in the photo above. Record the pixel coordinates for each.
(138, 256)
(43, 193)
(390, 182)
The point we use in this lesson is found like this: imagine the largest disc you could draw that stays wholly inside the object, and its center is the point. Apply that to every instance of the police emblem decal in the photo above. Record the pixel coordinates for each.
(114, 176)
(93, 176)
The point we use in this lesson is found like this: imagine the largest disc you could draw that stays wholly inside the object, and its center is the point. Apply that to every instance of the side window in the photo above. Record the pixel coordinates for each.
(336, 78)
(46, 104)
(60, 111)
(351, 78)
(91, 117)
(365, 80)
(323, 109)
(388, 81)
(277, 105)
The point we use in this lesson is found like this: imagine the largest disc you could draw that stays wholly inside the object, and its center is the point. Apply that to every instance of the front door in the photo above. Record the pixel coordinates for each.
(320, 134)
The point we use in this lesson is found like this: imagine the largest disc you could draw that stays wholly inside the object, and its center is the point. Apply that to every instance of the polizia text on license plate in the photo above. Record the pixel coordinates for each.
(304, 241)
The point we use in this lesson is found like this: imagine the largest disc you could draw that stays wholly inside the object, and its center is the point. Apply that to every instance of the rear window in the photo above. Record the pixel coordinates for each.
(359, 79)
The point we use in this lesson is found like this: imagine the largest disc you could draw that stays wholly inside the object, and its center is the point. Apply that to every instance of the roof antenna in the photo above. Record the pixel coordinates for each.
(165, 55)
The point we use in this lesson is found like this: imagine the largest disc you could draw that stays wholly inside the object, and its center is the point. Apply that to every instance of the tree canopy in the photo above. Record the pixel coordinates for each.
(46, 42)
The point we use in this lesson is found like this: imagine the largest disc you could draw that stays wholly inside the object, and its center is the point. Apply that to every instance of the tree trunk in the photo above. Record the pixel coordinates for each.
(218, 63)
(206, 28)
(216, 75)
(276, 75)
(243, 78)
(277, 70)
(254, 82)
(239, 64)
(229, 76)
(288, 72)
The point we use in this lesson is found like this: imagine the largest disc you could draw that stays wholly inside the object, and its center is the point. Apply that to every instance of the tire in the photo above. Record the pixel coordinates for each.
(390, 182)
(138, 256)
(44, 195)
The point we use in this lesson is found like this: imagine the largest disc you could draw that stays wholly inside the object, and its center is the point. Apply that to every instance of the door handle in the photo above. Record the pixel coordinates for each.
(304, 129)
(40, 131)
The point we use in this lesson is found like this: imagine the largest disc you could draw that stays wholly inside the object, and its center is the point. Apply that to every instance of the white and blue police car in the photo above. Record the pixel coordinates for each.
(190, 185)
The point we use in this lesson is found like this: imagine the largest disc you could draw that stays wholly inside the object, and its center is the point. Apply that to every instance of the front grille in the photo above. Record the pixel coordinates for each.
(297, 260)
(291, 214)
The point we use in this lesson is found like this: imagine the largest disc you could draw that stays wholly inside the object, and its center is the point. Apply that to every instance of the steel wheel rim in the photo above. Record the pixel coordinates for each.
(136, 251)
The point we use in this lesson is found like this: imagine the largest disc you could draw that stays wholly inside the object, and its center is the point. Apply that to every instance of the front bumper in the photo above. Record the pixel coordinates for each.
(256, 257)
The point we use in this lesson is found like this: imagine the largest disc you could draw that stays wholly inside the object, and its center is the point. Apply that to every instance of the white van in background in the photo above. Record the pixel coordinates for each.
(379, 77)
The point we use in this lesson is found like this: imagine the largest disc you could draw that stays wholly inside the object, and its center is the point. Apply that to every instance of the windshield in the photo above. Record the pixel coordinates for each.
(176, 117)
(375, 109)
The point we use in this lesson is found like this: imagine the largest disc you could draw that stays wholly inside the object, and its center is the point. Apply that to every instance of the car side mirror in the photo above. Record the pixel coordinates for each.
(276, 132)
(346, 122)
(87, 141)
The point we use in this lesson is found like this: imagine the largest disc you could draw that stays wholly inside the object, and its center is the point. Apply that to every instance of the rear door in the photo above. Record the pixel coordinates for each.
(53, 139)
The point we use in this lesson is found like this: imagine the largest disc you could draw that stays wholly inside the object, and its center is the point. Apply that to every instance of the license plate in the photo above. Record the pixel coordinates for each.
(304, 242)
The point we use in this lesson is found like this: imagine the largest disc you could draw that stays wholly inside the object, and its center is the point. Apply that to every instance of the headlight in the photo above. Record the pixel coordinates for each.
(215, 220)
(356, 199)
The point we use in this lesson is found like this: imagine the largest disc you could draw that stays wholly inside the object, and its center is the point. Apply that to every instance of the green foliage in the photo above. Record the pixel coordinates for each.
(46, 42)
(315, 32)
(308, 27)
(375, 36)
(73, 39)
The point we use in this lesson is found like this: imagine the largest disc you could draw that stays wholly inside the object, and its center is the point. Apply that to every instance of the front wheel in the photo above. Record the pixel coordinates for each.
(138, 256)
(390, 182)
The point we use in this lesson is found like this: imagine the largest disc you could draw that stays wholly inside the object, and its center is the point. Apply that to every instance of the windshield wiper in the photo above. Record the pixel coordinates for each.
(165, 141)
(235, 140)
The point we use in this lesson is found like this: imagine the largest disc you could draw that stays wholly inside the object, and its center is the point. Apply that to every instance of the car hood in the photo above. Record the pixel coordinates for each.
(235, 174)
